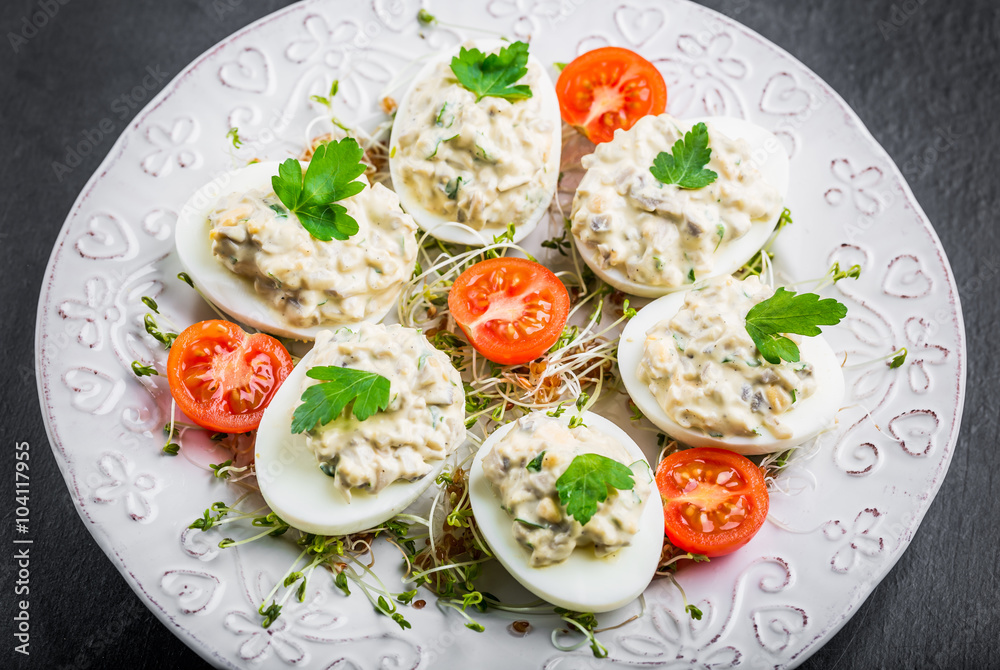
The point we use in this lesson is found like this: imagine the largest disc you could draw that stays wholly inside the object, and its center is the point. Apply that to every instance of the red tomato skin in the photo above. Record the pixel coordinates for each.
(680, 534)
(216, 414)
(621, 83)
(486, 340)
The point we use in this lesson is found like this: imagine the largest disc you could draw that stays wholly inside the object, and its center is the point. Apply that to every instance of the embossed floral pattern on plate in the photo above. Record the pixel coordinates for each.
(841, 519)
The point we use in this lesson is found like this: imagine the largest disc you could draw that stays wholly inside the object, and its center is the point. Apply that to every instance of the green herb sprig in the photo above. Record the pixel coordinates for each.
(535, 464)
(586, 482)
(331, 176)
(324, 402)
(685, 165)
(788, 312)
(494, 74)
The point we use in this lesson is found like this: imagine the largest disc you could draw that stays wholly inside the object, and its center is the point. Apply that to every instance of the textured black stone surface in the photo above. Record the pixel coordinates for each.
(928, 65)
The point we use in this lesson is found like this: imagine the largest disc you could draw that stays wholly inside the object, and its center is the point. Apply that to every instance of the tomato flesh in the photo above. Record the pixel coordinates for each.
(714, 500)
(222, 378)
(511, 309)
(609, 88)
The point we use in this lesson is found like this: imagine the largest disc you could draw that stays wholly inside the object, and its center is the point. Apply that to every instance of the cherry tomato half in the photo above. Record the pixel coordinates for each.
(511, 309)
(714, 500)
(609, 88)
(223, 378)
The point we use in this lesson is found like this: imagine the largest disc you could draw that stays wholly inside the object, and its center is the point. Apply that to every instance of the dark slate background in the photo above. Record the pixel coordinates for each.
(938, 64)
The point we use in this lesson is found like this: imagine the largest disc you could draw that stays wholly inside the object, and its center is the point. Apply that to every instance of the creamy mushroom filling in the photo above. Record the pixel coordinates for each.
(425, 419)
(705, 372)
(661, 234)
(310, 281)
(481, 163)
(526, 485)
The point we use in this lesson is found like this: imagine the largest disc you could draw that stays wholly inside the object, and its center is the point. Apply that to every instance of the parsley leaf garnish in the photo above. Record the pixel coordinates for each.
(493, 75)
(787, 312)
(586, 481)
(685, 165)
(330, 177)
(324, 402)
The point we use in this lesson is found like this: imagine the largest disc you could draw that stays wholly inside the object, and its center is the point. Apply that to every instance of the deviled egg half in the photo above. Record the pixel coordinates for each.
(692, 368)
(465, 167)
(649, 238)
(596, 566)
(349, 475)
(253, 258)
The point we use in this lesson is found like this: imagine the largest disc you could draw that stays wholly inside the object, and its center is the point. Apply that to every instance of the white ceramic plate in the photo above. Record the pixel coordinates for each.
(844, 518)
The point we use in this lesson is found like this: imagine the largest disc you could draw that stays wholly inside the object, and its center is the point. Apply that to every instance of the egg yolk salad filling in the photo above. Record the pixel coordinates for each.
(705, 371)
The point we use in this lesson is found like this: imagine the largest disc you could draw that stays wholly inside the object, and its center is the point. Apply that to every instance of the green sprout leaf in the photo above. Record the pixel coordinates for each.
(219, 469)
(140, 370)
(340, 581)
(270, 614)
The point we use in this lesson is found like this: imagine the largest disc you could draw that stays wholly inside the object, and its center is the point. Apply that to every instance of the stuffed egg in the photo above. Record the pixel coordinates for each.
(649, 238)
(252, 257)
(467, 166)
(692, 368)
(349, 475)
(514, 484)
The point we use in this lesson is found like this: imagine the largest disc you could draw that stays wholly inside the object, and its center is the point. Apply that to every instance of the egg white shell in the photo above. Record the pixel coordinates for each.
(808, 418)
(297, 490)
(442, 227)
(730, 256)
(233, 293)
(583, 582)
